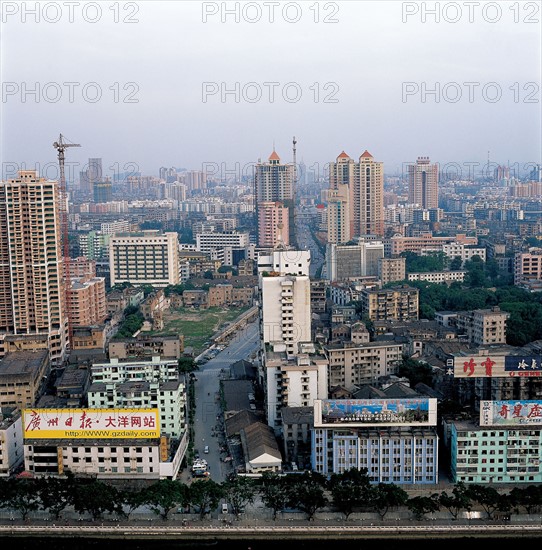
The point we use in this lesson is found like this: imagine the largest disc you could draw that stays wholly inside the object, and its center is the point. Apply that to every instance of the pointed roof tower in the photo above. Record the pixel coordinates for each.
(274, 156)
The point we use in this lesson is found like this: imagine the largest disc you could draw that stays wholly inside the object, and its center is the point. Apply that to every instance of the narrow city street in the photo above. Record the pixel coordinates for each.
(306, 242)
(208, 421)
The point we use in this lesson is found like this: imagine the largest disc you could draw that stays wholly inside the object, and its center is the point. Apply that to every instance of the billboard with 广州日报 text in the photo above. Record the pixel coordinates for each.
(91, 423)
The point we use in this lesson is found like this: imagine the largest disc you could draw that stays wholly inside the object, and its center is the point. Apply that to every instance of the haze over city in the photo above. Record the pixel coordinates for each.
(192, 83)
(270, 269)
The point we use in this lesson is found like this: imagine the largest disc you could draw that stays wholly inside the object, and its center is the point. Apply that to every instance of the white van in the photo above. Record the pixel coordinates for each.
(224, 508)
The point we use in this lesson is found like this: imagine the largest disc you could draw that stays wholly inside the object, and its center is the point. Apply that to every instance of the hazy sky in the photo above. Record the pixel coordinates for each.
(350, 75)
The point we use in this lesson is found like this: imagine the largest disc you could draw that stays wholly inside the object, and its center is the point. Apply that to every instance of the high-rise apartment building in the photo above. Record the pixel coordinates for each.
(274, 181)
(536, 173)
(423, 183)
(141, 185)
(149, 257)
(338, 215)
(93, 173)
(365, 180)
(168, 174)
(194, 180)
(273, 224)
(501, 173)
(103, 190)
(293, 374)
(176, 191)
(32, 290)
(285, 299)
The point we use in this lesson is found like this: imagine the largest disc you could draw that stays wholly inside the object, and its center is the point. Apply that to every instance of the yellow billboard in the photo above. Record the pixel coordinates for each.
(91, 423)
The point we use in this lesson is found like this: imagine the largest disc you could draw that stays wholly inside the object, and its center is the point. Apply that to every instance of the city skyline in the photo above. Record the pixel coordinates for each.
(470, 79)
(459, 170)
(276, 218)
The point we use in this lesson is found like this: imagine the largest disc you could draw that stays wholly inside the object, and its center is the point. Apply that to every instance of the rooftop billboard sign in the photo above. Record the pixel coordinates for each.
(91, 423)
(375, 412)
(510, 413)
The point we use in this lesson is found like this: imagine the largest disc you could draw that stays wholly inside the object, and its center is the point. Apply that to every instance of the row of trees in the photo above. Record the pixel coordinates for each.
(524, 324)
(353, 491)
(54, 494)
(308, 492)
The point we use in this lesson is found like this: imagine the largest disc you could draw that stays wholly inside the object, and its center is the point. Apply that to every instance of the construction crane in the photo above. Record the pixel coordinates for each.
(61, 145)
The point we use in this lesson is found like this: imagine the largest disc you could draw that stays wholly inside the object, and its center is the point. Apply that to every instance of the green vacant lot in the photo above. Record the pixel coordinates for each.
(198, 326)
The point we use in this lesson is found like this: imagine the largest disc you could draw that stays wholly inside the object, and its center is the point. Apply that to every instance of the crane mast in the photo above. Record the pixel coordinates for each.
(61, 146)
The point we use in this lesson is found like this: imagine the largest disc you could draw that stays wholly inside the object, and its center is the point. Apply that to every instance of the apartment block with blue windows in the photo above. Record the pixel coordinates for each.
(395, 440)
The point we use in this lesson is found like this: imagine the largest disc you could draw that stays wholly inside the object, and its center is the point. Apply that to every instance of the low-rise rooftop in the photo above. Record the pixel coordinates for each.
(22, 362)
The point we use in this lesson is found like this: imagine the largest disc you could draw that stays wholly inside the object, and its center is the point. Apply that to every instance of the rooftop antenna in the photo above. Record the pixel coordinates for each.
(294, 182)
(294, 143)
(255, 201)
(280, 241)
